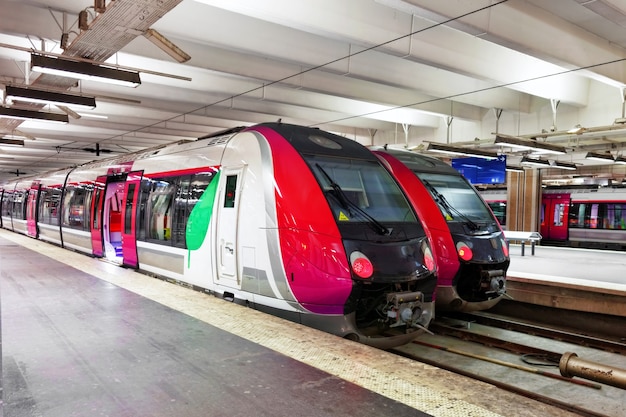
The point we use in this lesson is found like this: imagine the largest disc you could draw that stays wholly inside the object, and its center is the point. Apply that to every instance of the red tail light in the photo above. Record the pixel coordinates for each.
(361, 266)
(464, 251)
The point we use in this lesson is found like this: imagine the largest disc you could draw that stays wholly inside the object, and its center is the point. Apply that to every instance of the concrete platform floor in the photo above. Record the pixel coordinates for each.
(82, 337)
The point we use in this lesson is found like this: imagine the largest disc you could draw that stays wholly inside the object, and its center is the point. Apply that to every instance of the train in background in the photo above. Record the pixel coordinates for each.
(290, 220)
(470, 250)
(585, 217)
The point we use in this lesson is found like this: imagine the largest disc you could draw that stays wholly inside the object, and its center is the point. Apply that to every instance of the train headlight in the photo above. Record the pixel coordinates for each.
(361, 266)
(505, 248)
(429, 261)
(464, 251)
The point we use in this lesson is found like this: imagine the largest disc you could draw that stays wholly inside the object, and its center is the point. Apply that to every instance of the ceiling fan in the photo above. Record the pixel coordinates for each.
(97, 150)
(17, 172)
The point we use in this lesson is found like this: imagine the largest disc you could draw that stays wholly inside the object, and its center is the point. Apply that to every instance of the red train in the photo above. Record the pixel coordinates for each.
(290, 220)
(469, 247)
(579, 217)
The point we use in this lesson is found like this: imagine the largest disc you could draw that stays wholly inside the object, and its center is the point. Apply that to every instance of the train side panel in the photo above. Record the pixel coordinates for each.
(593, 218)
(7, 205)
(162, 244)
(50, 206)
(578, 217)
(19, 206)
(74, 212)
(310, 240)
(246, 241)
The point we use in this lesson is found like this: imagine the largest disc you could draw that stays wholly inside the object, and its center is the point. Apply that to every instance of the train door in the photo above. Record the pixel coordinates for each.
(97, 203)
(31, 210)
(227, 226)
(554, 220)
(111, 217)
(129, 219)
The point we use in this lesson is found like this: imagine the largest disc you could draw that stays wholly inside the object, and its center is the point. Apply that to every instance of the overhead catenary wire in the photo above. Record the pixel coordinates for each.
(352, 54)
(307, 70)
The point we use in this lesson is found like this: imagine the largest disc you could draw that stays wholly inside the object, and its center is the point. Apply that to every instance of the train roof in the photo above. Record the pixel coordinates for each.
(304, 139)
(418, 162)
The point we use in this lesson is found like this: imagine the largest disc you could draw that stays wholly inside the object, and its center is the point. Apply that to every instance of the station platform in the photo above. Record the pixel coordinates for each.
(586, 280)
(83, 337)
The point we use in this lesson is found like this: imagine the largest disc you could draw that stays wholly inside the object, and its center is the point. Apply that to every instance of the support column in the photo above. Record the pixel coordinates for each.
(523, 211)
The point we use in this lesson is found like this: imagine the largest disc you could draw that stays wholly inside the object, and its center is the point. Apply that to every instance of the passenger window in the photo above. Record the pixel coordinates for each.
(19, 206)
(144, 195)
(180, 212)
(559, 210)
(128, 211)
(97, 210)
(159, 209)
(165, 205)
(189, 192)
(50, 207)
(73, 208)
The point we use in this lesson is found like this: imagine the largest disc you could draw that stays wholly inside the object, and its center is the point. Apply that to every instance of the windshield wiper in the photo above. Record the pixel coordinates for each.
(450, 211)
(346, 203)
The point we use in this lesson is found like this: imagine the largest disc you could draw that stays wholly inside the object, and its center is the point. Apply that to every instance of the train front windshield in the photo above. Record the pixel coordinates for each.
(359, 190)
(457, 200)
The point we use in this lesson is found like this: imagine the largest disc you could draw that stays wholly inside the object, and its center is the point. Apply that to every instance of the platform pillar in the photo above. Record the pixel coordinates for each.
(524, 200)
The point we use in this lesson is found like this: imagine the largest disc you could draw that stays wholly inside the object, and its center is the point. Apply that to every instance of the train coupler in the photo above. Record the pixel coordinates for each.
(406, 308)
(495, 281)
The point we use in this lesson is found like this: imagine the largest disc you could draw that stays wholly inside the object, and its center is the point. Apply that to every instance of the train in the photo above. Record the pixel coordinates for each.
(470, 249)
(290, 220)
(585, 217)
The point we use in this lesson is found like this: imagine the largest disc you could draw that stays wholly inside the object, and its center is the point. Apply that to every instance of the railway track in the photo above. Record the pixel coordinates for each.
(502, 322)
(522, 356)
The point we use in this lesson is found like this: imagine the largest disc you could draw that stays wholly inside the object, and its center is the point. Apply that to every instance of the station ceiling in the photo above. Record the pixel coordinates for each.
(359, 68)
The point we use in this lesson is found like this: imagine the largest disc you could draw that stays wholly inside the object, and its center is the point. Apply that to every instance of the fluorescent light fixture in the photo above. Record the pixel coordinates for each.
(620, 160)
(34, 95)
(604, 157)
(454, 150)
(565, 165)
(11, 142)
(166, 45)
(535, 162)
(68, 111)
(511, 168)
(83, 70)
(19, 133)
(576, 130)
(93, 116)
(21, 114)
(526, 144)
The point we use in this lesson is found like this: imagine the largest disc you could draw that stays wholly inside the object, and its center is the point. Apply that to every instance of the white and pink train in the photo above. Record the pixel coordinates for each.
(290, 220)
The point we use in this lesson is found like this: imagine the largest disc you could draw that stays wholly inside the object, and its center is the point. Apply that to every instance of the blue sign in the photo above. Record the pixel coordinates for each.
(482, 171)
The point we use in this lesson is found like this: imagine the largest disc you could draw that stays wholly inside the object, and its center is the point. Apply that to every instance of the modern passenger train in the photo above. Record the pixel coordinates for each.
(470, 250)
(293, 221)
(580, 217)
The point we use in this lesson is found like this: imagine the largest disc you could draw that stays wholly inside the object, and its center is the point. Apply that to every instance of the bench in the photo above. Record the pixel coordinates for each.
(523, 237)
